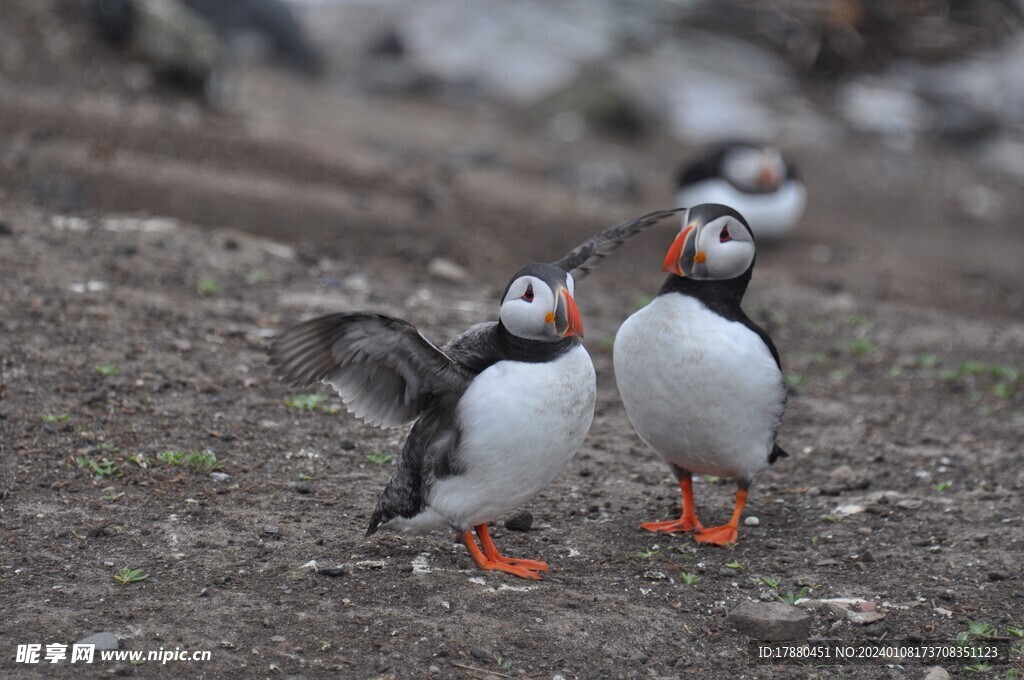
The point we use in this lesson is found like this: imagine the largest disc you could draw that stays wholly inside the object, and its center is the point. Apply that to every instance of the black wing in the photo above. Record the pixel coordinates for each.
(477, 348)
(588, 255)
(384, 370)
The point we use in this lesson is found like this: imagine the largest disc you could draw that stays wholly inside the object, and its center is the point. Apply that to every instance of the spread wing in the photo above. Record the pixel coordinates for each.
(477, 348)
(589, 254)
(385, 371)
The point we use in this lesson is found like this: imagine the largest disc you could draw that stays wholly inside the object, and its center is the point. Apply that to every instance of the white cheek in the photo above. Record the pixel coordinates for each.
(529, 319)
(729, 260)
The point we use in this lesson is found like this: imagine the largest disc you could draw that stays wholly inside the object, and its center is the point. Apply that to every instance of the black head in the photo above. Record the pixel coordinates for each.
(538, 304)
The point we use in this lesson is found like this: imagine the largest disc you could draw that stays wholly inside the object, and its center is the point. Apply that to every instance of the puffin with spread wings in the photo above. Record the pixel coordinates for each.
(498, 411)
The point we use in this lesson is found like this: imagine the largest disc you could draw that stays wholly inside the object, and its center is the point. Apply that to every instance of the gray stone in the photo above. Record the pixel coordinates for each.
(521, 521)
(936, 673)
(845, 478)
(446, 270)
(771, 621)
(104, 641)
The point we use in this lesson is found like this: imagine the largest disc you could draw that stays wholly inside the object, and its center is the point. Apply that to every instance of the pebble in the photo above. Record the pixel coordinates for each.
(844, 478)
(752, 521)
(481, 654)
(220, 476)
(302, 487)
(849, 509)
(936, 673)
(639, 657)
(272, 530)
(521, 521)
(347, 444)
(333, 572)
(771, 621)
(446, 270)
(103, 641)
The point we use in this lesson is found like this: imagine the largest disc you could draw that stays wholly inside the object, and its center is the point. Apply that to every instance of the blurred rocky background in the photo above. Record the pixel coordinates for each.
(355, 124)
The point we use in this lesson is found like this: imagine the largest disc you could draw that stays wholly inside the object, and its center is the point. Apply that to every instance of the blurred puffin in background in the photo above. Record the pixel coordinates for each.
(757, 181)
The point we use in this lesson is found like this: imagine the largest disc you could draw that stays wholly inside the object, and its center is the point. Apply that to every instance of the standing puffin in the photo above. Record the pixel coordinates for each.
(701, 382)
(499, 411)
(755, 180)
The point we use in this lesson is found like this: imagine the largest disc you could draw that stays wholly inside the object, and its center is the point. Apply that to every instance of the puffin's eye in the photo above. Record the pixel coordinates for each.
(724, 235)
(528, 295)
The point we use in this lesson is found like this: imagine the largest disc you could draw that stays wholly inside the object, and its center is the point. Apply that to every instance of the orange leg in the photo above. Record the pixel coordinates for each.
(687, 522)
(491, 552)
(727, 533)
(491, 560)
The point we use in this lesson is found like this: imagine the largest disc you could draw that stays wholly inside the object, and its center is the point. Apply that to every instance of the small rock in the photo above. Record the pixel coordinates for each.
(844, 478)
(521, 521)
(481, 654)
(103, 641)
(996, 576)
(864, 618)
(5, 228)
(771, 621)
(181, 344)
(302, 487)
(272, 530)
(639, 657)
(936, 673)
(446, 270)
(333, 572)
(849, 509)
(346, 444)
(434, 670)
(220, 476)
(752, 521)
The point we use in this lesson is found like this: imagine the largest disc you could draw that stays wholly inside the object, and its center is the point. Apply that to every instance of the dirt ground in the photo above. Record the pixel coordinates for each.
(150, 248)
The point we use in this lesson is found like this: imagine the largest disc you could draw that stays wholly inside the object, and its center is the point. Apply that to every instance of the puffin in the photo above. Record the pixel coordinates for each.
(497, 412)
(756, 180)
(701, 383)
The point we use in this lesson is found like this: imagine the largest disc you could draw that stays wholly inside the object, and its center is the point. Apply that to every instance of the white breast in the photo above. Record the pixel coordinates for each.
(521, 423)
(770, 216)
(702, 391)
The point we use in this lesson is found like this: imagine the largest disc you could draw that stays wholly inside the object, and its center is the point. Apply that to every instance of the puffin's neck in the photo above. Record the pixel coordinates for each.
(723, 297)
(515, 348)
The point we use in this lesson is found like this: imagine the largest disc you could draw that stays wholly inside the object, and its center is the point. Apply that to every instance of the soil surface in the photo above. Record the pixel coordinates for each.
(150, 249)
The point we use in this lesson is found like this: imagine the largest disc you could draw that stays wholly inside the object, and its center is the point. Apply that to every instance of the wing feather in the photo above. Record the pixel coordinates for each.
(384, 370)
(585, 257)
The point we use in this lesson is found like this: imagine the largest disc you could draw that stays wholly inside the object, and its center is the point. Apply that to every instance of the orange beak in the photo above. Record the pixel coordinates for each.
(770, 176)
(673, 259)
(568, 321)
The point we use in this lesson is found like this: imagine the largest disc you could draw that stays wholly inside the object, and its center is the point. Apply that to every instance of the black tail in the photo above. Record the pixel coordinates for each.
(375, 521)
(777, 452)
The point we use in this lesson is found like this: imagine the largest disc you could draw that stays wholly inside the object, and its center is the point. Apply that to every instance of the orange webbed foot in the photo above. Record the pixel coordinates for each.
(532, 565)
(674, 526)
(521, 572)
(489, 559)
(727, 534)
